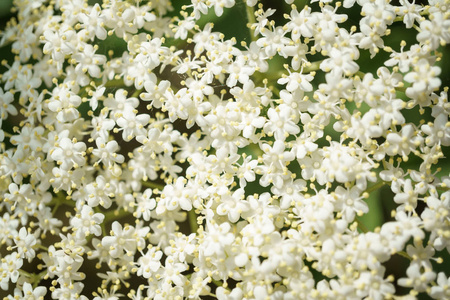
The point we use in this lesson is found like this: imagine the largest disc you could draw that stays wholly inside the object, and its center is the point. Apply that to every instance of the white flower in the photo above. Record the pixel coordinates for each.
(424, 79)
(29, 137)
(296, 81)
(435, 31)
(66, 180)
(345, 164)
(404, 142)
(25, 45)
(88, 61)
(182, 27)
(232, 205)
(378, 14)
(29, 292)
(418, 278)
(121, 239)
(70, 293)
(132, 125)
(155, 93)
(199, 7)
(149, 263)
(64, 102)
(238, 70)
(199, 88)
(24, 243)
(10, 266)
(107, 152)
(258, 228)
(257, 58)
(182, 247)
(217, 237)
(275, 155)
(341, 61)
(437, 132)
(273, 41)
(246, 172)
(119, 102)
(220, 4)
(262, 18)
(408, 197)
(350, 203)
(93, 23)
(59, 43)
(441, 291)
(121, 21)
(281, 122)
(69, 153)
(410, 12)
(87, 222)
(99, 192)
(174, 196)
(6, 106)
(150, 53)
(373, 285)
(172, 271)
(145, 205)
(301, 23)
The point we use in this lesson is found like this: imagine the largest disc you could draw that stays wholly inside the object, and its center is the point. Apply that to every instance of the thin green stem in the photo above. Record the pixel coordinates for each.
(55, 208)
(38, 277)
(42, 247)
(216, 282)
(442, 189)
(114, 83)
(193, 220)
(251, 20)
(375, 187)
(360, 74)
(275, 90)
(404, 254)
(60, 199)
(153, 185)
(25, 273)
(35, 278)
(136, 93)
(361, 225)
(313, 67)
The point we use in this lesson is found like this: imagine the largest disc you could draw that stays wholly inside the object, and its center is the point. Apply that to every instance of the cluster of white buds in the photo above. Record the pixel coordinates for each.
(145, 154)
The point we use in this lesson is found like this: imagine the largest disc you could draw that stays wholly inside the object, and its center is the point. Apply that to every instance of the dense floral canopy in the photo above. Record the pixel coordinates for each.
(145, 154)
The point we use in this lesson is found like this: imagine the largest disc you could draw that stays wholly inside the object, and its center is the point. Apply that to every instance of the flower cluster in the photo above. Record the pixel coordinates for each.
(146, 155)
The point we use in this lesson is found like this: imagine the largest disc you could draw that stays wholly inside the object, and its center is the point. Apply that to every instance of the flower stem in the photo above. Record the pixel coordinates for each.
(375, 187)
(42, 247)
(404, 254)
(114, 83)
(153, 185)
(313, 67)
(361, 225)
(136, 93)
(251, 20)
(193, 220)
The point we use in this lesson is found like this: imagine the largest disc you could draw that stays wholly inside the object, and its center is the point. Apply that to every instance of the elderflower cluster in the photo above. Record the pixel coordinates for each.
(147, 155)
